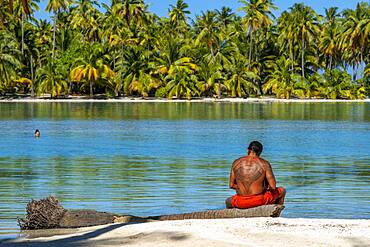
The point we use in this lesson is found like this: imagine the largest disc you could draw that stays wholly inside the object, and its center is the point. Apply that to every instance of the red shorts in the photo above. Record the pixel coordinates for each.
(268, 197)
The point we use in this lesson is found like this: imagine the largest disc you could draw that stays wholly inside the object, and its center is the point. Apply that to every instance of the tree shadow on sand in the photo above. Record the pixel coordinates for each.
(87, 238)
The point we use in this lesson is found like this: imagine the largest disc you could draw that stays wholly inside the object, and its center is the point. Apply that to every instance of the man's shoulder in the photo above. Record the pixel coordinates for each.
(265, 162)
(240, 159)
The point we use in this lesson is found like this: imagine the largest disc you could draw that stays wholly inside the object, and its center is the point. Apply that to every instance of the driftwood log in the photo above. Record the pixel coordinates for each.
(48, 213)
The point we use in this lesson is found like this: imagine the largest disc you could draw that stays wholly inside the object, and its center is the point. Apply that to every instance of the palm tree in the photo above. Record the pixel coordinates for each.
(328, 44)
(178, 13)
(51, 79)
(84, 15)
(225, 16)
(257, 15)
(208, 79)
(117, 34)
(337, 84)
(43, 41)
(241, 81)
(354, 37)
(31, 54)
(287, 38)
(24, 10)
(9, 59)
(56, 6)
(181, 82)
(208, 33)
(281, 80)
(23, 3)
(140, 75)
(132, 11)
(91, 67)
(306, 28)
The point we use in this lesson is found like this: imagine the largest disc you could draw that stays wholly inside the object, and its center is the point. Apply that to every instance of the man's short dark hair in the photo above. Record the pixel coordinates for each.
(256, 147)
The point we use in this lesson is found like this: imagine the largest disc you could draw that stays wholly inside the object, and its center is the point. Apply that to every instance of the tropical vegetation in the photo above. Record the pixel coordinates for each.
(122, 49)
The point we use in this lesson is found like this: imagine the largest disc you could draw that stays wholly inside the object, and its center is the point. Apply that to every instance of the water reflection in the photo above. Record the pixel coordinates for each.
(343, 111)
(148, 159)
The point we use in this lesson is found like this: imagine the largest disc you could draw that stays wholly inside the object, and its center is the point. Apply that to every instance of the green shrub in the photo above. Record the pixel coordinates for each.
(161, 92)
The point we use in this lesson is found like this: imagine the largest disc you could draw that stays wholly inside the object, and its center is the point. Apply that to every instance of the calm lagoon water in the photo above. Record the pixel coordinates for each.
(161, 158)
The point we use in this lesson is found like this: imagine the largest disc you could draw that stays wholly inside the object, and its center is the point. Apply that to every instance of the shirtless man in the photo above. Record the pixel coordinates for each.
(253, 180)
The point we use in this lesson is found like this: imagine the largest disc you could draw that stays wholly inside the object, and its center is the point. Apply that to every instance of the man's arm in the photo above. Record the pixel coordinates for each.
(270, 176)
(232, 181)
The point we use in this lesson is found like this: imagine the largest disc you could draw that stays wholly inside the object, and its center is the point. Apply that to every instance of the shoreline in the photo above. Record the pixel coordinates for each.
(216, 232)
(196, 100)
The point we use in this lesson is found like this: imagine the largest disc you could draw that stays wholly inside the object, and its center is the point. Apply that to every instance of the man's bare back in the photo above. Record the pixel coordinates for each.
(251, 175)
(253, 180)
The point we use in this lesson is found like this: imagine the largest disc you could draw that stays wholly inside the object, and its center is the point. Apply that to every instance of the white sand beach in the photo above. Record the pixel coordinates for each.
(217, 232)
(195, 100)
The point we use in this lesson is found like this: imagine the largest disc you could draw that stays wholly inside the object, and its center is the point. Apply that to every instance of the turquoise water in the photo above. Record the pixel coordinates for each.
(161, 158)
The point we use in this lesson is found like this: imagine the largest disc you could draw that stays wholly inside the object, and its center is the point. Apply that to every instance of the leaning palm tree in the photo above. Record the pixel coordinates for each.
(56, 6)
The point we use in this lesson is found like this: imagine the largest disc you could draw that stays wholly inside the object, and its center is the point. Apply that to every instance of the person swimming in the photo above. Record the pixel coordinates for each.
(37, 133)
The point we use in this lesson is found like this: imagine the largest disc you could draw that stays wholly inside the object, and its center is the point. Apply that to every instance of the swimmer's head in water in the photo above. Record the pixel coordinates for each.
(37, 133)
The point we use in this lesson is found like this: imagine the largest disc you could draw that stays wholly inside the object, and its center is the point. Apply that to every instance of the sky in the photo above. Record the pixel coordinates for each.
(160, 7)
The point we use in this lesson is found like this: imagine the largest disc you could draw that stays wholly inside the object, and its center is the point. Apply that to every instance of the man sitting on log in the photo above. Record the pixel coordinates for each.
(254, 181)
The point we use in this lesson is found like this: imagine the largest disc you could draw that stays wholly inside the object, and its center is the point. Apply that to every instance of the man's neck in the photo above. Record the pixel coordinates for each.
(252, 154)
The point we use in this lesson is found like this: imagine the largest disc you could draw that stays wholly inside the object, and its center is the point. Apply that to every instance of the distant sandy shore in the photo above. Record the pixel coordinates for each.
(201, 100)
(218, 233)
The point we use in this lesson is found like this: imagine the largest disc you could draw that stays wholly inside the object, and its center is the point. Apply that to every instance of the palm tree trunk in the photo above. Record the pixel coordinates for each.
(54, 30)
(70, 88)
(117, 91)
(114, 59)
(353, 71)
(250, 49)
(303, 56)
(22, 34)
(214, 63)
(291, 56)
(330, 62)
(52, 215)
(219, 90)
(91, 89)
(362, 62)
(32, 79)
(262, 211)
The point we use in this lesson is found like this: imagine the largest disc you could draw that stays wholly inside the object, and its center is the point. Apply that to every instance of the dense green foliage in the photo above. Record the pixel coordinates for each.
(127, 51)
